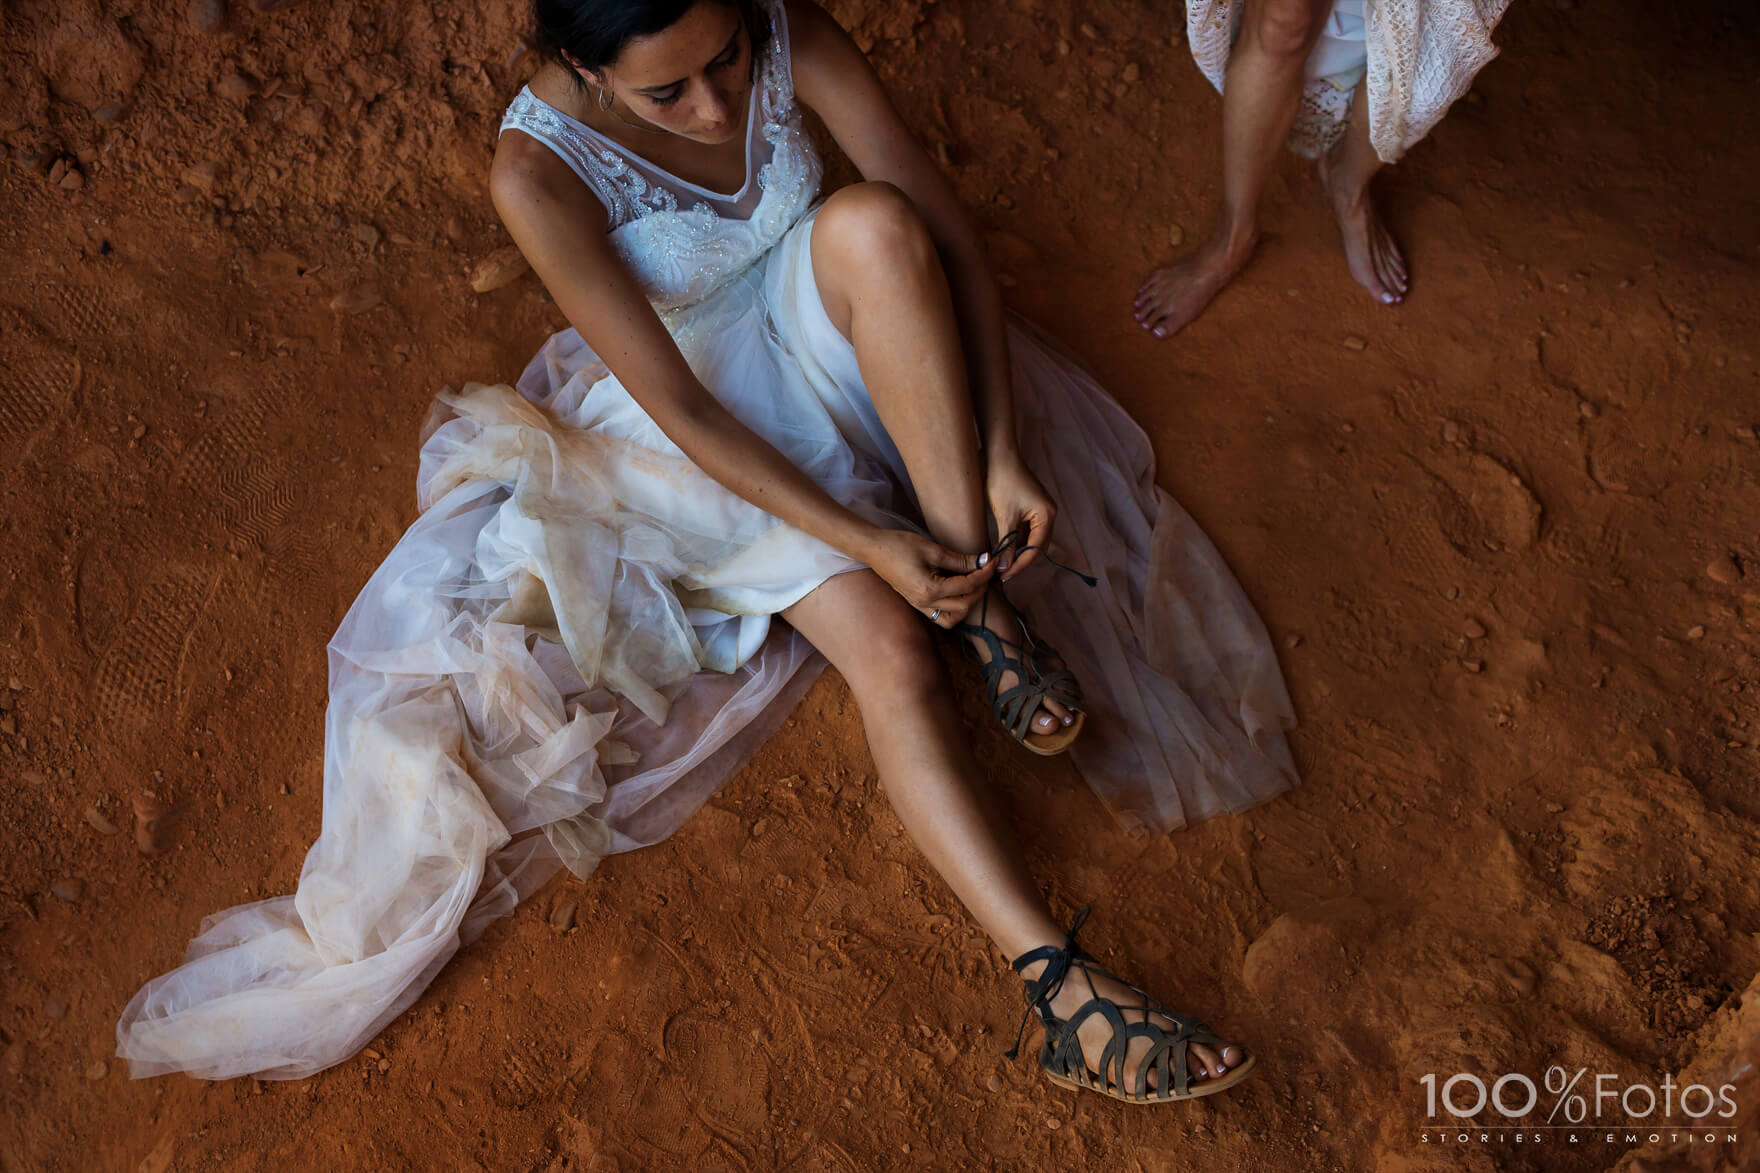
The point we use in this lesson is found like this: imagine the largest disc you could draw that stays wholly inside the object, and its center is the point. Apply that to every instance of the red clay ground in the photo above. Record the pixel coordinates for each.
(1505, 535)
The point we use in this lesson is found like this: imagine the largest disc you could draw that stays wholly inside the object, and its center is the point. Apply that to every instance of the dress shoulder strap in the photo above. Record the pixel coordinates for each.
(777, 80)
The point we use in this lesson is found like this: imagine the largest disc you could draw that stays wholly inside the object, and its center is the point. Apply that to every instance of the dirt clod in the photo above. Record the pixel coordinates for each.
(501, 267)
(357, 300)
(237, 86)
(1723, 569)
(205, 16)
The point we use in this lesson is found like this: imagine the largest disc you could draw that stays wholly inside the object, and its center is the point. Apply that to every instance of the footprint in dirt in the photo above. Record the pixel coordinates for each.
(38, 384)
(728, 1072)
(1482, 505)
(254, 502)
(137, 673)
(1621, 463)
(86, 312)
(297, 562)
(106, 583)
(229, 438)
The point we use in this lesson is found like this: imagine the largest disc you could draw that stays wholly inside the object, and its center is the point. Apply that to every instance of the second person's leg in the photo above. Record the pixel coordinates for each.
(1260, 96)
(1369, 248)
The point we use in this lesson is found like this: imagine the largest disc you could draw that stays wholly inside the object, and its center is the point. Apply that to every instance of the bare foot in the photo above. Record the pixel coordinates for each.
(1202, 1062)
(1369, 249)
(1175, 294)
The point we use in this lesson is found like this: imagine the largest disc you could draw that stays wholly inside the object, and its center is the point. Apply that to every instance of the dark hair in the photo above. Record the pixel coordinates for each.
(594, 32)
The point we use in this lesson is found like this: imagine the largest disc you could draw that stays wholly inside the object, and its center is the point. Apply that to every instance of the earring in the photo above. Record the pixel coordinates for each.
(605, 99)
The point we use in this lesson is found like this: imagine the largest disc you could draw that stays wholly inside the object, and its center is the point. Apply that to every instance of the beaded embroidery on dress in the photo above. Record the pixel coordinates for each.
(680, 240)
(575, 644)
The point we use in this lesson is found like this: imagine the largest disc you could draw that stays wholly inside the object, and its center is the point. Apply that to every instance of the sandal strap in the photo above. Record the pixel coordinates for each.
(1035, 683)
(1167, 1058)
(1061, 1053)
(1040, 990)
(1016, 705)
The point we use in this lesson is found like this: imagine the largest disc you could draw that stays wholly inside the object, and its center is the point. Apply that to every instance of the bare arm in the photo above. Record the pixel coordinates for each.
(561, 228)
(836, 81)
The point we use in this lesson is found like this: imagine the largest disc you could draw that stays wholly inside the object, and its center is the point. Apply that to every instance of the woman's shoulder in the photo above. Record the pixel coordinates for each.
(811, 31)
(820, 51)
(529, 181)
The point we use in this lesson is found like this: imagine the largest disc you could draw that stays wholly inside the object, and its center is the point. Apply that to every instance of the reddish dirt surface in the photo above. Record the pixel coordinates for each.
(1505, 535)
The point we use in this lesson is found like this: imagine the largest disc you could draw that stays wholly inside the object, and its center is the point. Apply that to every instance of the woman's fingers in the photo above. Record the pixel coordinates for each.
(957, 606)
(952, 563)
(1038, 534)
(938, 596)
(1014, 527)
(953, 583)
(950, 610)
(957, 574)
(946, 618)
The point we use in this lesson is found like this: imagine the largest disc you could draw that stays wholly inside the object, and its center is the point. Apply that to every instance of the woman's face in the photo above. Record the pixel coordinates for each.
(692, 78)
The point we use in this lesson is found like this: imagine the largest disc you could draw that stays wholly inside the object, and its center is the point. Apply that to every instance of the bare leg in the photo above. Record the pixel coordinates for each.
(1259, 100)
(883, 287)
(1369, 249)
(921, 751)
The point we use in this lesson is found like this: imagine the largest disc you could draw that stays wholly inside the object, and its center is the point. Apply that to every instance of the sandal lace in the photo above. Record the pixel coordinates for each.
(1049, 983)
(1014, 536)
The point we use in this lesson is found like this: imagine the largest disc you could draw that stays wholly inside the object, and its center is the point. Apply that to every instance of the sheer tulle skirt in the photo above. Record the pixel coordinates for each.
(574, 646)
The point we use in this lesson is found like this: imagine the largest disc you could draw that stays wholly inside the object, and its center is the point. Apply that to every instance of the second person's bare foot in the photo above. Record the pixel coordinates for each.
(1175, 294)
(1370, 251)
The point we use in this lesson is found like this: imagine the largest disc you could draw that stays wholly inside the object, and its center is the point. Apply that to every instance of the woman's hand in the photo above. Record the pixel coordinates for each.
(935, 580)
(1018, 501)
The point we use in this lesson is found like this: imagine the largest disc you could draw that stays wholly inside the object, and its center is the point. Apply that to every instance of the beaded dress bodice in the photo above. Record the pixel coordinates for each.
(682, 241)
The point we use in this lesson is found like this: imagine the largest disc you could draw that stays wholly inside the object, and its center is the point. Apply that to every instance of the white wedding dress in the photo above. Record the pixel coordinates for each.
(574, 644)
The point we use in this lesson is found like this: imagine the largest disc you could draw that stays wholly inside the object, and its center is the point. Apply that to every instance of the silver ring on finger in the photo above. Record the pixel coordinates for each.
(935, 615)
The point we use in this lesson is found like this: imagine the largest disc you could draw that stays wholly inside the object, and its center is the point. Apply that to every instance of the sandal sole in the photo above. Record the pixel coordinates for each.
(1207, 1087)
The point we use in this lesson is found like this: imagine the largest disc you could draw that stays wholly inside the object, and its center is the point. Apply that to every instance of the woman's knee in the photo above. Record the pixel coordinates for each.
(1287, 28)
(874, 225)
(898, 657)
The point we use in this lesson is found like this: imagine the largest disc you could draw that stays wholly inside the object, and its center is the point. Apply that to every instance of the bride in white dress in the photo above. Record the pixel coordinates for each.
(772, 406)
